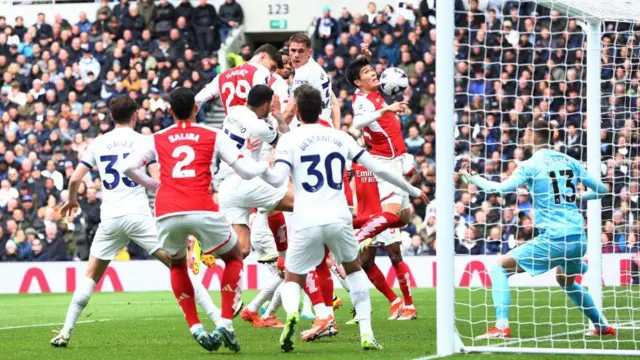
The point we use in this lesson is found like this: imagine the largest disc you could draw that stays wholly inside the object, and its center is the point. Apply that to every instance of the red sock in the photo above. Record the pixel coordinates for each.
(183, 291)
(279, 230)
(378, 280)
(326, 282)
(312, 289)
(230, 287)
(402, 273)
(376, 224)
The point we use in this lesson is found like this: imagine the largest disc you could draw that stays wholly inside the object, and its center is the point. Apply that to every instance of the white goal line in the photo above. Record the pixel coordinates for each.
(51, 324)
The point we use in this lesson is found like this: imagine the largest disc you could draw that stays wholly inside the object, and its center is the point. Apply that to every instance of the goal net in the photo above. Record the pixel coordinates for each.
(574, 64)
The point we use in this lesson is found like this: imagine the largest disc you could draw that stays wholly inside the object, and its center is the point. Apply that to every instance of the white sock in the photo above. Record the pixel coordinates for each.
(321, 311)
(359, 284)
(343, 281)
(195, 328)
(226, 323)
(290, 293)
(502, 323)
(329, 310)
(78, 302)
(265, 294)
(306, 305)
(275, 303)
(203, 299)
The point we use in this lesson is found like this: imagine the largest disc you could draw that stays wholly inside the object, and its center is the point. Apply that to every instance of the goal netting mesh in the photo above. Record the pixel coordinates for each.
(519, 61)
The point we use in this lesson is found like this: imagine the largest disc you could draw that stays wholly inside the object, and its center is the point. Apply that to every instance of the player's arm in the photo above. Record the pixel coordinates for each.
(246, 168)
(276, 112)
(365, 113)
(210, 91)
(516, 180)
(74, 183)
(278, 175)
(290, 110)
(596, 188)
(132, 164)
(368, 161)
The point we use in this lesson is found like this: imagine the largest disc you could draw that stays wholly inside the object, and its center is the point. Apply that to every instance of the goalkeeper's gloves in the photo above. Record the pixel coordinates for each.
(467, 173)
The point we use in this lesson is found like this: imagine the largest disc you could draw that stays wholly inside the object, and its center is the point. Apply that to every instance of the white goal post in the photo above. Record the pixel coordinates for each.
(456, 308)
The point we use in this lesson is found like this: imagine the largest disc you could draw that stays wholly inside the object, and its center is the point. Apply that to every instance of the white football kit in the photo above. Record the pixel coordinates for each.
(236, 196)
(313, 74)
(125, 213)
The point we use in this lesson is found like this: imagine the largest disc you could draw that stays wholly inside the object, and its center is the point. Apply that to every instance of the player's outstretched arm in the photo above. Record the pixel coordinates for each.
(246, 168)
(510, 185)
(365, 113)
(207, 93)
(289, 111)
(596, 188)
(278, 175)
(74, 183)
(382, 171)
(131, 168)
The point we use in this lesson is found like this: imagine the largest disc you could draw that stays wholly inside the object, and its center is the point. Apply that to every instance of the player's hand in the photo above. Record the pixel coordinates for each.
(397, 107)
(252, 145)
(364, 50)
(68, 207)
(275, 106)
(467, 173)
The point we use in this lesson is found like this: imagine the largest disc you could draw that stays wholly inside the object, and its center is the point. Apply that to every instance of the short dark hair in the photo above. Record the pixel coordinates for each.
(309, 103)
(541, 131)
(353, 70)
(259, 95)
(122, 109)
(182, 101)
(271, 51)
(301, 38)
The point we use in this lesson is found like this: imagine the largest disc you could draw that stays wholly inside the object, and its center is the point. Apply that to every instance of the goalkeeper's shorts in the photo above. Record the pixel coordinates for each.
(543, 254)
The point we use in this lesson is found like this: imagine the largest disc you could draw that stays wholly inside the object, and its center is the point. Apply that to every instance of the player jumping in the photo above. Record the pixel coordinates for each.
(185, 152)
(316, 156)
(125, 212)
(552, 178)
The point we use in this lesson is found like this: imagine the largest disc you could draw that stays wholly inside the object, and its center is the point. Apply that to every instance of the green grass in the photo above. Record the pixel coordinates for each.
(150, 326)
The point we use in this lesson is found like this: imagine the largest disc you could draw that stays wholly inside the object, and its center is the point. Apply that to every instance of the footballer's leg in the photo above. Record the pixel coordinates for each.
(377, 278)
(402, 274)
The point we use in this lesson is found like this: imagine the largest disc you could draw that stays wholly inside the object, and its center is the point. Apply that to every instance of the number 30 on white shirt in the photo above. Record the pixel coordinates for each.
(241, 90)
(179, 170)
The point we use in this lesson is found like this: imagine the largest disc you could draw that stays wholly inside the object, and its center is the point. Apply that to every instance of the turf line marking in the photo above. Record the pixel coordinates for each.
(429, 357)
(52, 324)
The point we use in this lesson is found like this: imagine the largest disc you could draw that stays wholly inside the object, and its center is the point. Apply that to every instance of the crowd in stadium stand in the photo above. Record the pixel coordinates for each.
(515, 62)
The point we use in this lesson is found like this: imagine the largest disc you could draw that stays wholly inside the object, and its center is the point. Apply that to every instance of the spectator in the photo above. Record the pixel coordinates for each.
(83, 23)
(134, 22)
(164, 17)
(55, 246)
(417, 247)
(121, 10)
(147, 9)
(326, 30)
(43, 29)
(38, 251)
(185, 10)
(205, 20)
(231, 16)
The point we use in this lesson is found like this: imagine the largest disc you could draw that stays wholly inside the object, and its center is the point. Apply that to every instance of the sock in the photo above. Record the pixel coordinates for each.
(275, 303)
(265, 294)
(312, 289)
(343, 280)
(278, 228)
(376, 224)
(184, 293)
(290, 293)
(583, 300)
(326, 284)
(230, 289)
(402, 273)
(203, 299)
(500, 294)
(380, 282)
(79, 301)
(359, 285)
(306, 305)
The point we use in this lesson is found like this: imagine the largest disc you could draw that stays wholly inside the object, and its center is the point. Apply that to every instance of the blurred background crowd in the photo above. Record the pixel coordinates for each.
(514, 62)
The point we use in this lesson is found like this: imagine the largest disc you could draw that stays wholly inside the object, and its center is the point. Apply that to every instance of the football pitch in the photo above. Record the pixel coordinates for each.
(150, 326)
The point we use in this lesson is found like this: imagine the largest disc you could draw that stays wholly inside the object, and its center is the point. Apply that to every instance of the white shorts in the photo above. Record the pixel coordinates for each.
(306, 247)
(389, 193)
(237, 197)
(210, 228)
(114, 234)
(389, 237)
(261, 236)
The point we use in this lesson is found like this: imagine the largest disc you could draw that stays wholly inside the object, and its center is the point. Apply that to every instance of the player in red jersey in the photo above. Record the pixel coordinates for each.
(368, 204)
(233, 85)
(184, 206)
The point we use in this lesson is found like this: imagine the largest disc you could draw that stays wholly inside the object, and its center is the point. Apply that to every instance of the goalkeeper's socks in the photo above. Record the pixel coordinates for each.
(290, 293)
(359, 293)
(79, 301)
(501, 295)
(230, 287)
(583, 300)
(376, 224)
(184, 293)
(402, 274)
(380, 282)
(203, 299)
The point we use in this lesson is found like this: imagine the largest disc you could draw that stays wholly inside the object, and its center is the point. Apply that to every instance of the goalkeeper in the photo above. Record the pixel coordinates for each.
(551, 178)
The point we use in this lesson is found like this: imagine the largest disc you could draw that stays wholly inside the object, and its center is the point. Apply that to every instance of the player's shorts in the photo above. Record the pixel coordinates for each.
(306, 247)
(114, 234)
(389, 193)
(210, 228)
(261, 237)
(388, 237)
(543, 254)
(237, 196)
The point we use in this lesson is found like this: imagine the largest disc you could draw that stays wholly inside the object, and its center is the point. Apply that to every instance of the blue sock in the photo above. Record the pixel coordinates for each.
(583, 300)
(501, 294)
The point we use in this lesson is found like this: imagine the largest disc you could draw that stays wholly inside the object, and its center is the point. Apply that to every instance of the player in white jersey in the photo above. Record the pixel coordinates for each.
(315, 155)
(125, 213)
(236, 196)
(233, 85)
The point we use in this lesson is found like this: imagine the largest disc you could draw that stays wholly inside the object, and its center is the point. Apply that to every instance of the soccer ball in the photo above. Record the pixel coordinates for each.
(393, 81)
